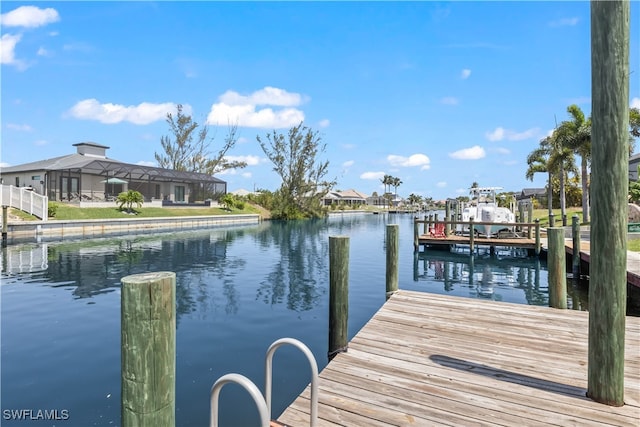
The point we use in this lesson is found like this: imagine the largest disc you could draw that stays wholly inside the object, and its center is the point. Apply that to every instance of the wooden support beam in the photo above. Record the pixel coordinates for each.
(609, 189)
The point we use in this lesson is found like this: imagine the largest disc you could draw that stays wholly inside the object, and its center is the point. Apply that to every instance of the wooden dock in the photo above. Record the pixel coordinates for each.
(456, 239)
(434, 360)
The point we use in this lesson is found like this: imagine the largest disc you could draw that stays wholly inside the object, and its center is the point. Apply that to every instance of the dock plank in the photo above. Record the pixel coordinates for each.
(427, 359)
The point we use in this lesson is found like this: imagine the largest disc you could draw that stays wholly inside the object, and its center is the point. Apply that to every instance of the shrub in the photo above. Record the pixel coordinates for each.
(129, 198)
(52, 209)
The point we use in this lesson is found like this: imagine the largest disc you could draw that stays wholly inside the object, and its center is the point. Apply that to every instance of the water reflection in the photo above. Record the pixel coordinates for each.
(302, 257)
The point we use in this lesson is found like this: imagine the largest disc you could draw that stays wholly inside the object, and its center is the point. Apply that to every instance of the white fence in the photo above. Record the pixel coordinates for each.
(25, 200)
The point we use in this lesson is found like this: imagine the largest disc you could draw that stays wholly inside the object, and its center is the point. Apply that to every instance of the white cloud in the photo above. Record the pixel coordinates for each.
(449, 100)
(372, 175)
(635, 103)
(324, 123)
(43, 52)
(500, 133)
(348, 164)
(250, 160)
(411, 161)
(23, 128)
(473, 153)
(502, 150)
(441, 184)
(4, 165)
(147, 163)
(243, 110)
(8, 51)
(565, 22)
(496, 135)
(29, 17)
(267, 96)
(465, 74)
(141, 114)
(246, 175)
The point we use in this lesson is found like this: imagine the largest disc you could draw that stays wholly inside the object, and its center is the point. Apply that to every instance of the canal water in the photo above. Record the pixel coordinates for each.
(238, 290)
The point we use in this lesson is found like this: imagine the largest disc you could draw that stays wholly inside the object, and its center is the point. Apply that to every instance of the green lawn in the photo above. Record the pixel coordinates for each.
(543, 216)
(70, 212)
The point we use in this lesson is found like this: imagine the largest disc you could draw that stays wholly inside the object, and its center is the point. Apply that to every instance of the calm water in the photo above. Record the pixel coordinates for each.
(238, 290)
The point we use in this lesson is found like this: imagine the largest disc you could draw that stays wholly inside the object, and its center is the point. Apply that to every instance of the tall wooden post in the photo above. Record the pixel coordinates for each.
(4, 225)
(392, 258)
(471, 235)
(552, 222)
(338, 294)
(557, 264)
(447, 215)
(416, 237)
(529, 217)
(609, 189)
(575, 233)
(537, 236)
(148, 334)
(425, 226)
(520, 215)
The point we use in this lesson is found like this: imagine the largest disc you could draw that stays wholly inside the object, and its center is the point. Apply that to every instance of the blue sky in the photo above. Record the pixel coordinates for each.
(438, 94)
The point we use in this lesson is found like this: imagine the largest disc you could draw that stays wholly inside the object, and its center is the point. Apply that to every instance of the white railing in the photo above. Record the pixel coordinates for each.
(264, 403)
(25, 200)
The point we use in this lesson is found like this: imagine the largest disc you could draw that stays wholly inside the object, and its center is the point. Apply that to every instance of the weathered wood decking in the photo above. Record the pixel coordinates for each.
(433, 360)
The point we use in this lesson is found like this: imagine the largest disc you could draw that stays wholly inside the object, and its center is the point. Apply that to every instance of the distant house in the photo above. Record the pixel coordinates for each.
(348, 197)
(532, 193)
(634, 162)
(89, 175)
(385, 200)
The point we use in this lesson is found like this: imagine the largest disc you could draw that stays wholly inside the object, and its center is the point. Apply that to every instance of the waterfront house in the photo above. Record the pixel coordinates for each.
(90, 176)
(348, 197)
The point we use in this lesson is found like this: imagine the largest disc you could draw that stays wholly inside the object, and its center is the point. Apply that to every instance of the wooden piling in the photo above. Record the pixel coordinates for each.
(552, 222)
(416, 235)
(447, 214)
(537, 221)
(556, 262)
(5, 216)
(148, 347)
(530, 218)
(393, 245)
(425, 226)
(471, 235)
(609, 189)
(575, 234)
(520, 215)
(338, 294)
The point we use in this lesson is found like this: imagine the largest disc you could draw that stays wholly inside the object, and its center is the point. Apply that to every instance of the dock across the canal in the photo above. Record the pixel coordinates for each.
(428, 233)
(434, 360)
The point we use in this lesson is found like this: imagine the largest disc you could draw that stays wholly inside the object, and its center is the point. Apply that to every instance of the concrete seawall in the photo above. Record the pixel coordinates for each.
(57, 230)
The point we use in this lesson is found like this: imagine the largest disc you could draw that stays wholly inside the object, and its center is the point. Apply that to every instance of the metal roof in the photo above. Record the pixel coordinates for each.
(111, 168)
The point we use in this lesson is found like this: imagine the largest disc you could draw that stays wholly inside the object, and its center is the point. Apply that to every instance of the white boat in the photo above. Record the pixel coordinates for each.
(484, 208)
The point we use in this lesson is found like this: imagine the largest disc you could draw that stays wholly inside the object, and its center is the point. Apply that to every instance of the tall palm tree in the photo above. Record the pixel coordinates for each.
(538, 161)
(576, 133)
(396, 182)
(561, 162)
(386, 181)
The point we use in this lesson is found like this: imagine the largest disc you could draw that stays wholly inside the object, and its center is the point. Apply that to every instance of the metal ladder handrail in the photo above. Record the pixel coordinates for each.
(249, 386)
(313, 418)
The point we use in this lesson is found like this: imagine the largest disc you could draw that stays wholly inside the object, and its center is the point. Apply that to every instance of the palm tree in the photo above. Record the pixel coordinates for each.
(538, 161)
(386, 181)
(561, 162)
(396, 182)
(576, 134)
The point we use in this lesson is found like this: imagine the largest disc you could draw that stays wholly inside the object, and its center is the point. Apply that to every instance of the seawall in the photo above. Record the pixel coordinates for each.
(58, 230)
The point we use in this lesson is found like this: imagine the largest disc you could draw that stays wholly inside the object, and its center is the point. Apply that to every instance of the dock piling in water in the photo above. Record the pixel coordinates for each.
(338, 294)
(575, 232)
(148, 346)
(557, 264)
(393, 239)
